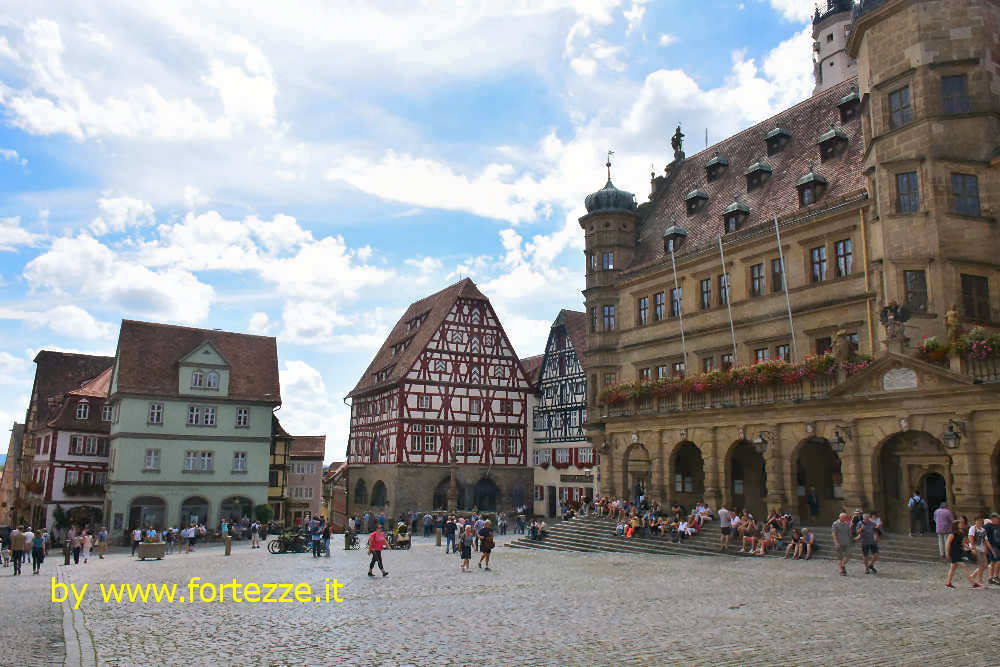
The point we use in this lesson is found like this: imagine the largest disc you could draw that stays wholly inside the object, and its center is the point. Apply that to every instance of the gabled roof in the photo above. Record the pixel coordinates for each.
(334, 470)
(532, 367)
(94, 390)
(59, 373)
(576, 328)
(435, 307)
(777, 196)
(308, 447)
(277, 430)
(149, 356)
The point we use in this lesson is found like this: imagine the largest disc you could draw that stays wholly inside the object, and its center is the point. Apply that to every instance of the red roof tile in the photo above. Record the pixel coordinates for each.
(435, 307)
(95, 391)
(576, 329)
(148, 356)
(335, 469)
(778, 196)
(532, 366)
(59, 373)
(308, 447)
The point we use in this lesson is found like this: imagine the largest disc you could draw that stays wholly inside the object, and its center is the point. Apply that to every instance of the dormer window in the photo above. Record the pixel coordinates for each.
(415, 322)
(715, 167)
(832, 143)
(811, 187)
(757, 173)
(212, 380)
(777, 139)
(849, 106)
(197, 379)
(82, 409)
(735, 216)
(695, 200)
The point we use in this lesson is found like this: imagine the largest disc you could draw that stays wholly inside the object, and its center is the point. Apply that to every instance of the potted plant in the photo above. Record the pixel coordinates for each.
(933, 350)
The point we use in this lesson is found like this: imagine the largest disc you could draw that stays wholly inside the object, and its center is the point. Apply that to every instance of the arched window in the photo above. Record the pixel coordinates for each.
(82, 409)
(360, 493)
(212, 380)
(379, 494)
(197, 379)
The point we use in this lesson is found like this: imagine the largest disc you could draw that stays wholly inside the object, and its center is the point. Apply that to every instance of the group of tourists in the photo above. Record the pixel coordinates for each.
(462, 537)
(22, 543)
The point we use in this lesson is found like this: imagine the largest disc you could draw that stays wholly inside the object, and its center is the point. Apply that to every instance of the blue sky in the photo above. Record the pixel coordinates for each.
(307, 170)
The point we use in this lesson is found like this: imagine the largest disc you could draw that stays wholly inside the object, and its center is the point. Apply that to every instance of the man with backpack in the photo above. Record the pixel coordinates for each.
(918, 513)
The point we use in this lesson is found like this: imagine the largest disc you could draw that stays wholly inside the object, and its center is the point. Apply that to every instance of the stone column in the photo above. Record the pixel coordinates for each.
(853, 482)
(661, 470)
(970, 474)
(773, 464)
(609, 471)
(716, 493)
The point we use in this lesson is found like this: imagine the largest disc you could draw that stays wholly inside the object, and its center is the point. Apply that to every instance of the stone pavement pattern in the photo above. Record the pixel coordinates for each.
(535, 608)
(29, 623)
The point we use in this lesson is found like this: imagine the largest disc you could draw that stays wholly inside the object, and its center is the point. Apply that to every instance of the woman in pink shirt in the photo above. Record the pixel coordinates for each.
(376, 542)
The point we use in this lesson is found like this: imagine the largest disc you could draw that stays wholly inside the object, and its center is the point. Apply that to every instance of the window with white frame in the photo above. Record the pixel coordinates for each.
(472, 442)
(459, 444)
(585, 455)
(212, 380)
(91, 445)
(209, 416)
(242, 417)
(416, 443)
(206, 460)
(562, 455)
(194, 415)
(430, 443)
(82, 409)
(198, 461)
(475, 406)
(512, 441)
(197, 379)
(152, 460)
(239, 461)
(107, 413)
(424, 402)
(72, 477)
(155, 413)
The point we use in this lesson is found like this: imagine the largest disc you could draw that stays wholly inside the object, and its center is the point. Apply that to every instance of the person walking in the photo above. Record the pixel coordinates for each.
(724, 529)
(842, 539)
(326, 538)
(255, 535)
(428, 519)
(486, 544)
(977, 541)
(956, 553)
(868, 535)
(376, 543)
(993, 548)
(102, 542)
(86, 543)
(136, 539)
(942, 526)
(467, 539)
(918, 513)
(316, 534)
(37, 552)
(17, 543)
(76, 545)
(449, 535)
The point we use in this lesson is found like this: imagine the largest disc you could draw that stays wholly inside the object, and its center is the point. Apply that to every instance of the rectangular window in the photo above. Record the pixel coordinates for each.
(72, 477)
(593, 261)
(91, 445)
(272, 478)
(707, 364)
(823, 345)
(593, 319)
(209, 416)
(239, 461)
(645, 374)
(562, 455)
(915, 284)
(677, 368)
(976, 297)
(475, 406)
(430, 443)
(661, 372)
(757, 280)
(727, 362)
(107, 412)
(907, 193)
(760, 354)
(900, 111)
(658, 302)
(242, 417)
(609, 318)
(194, 415)
(205, 461)
(955, 94)
(818, 260)
(539, 492)
(610, 379)
(585, 455)
(964, 194)
(152, 460)
(676, 296)
(83, 410)
(608, 261)
(424, 402)
(845, 257)
(783, 352)
(190, 460)
(643, 310)
(777, 281)
(416, 443)
(723, 289)
(706, 293)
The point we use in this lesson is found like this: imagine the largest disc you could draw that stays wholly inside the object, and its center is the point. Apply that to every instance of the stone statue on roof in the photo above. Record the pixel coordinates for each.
(677, 141)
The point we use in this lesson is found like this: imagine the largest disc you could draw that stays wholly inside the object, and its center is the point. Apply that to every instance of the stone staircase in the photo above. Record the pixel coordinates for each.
(595, 534)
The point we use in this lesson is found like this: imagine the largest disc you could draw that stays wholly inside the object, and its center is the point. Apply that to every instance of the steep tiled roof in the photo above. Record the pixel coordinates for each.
(95, 391)
(277, 430)
(335, 469)
(806, 122)
(435, 307)
(532, 366)
(576, 329)
(149, 354)
(308, 447)
(58, 373)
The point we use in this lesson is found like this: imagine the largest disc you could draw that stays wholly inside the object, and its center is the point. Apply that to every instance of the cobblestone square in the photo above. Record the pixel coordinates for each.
(532, 608)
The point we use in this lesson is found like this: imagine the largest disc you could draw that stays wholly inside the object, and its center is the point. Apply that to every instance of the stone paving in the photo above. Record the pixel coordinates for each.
(533, 608)
(29, 624)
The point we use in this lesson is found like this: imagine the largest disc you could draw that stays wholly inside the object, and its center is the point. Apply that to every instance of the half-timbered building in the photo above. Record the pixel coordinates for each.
(562, 455)
(439, 418)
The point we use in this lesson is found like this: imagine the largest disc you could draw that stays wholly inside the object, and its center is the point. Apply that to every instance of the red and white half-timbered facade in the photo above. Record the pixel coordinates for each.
(445, 389)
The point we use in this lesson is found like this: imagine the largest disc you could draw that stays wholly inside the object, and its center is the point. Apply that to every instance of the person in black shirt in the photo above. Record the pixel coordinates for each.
(485, 544)
(449, 535)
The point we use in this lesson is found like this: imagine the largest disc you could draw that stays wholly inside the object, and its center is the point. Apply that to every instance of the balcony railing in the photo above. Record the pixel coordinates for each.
(983, 370)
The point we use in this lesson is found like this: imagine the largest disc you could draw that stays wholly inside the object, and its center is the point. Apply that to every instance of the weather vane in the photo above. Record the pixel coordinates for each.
(608, 164)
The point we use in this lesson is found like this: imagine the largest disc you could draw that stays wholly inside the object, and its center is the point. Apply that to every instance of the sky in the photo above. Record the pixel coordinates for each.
(307, 169)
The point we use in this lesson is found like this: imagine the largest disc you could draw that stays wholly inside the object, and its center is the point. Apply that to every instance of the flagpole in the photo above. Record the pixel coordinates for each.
(784, 284)
(680, 308)
(729, 306)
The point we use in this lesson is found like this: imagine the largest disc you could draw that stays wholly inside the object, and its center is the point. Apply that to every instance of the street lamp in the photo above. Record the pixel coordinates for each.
(838, 443)
(952, 434)
(761, 441)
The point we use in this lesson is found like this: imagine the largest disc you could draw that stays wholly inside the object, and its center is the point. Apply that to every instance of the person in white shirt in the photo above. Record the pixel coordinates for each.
(724, 528)
(136, 539)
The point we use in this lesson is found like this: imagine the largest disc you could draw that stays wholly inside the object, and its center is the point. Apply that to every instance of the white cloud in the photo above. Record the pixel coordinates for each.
(67, 320)
(12, 235)
(667, 39)
(10, 155)
(583, 66)
(308, 408)
(193, 198)
(634, 15)
(259, 324)
(794, 10)
(12, 370)
(120, 213)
